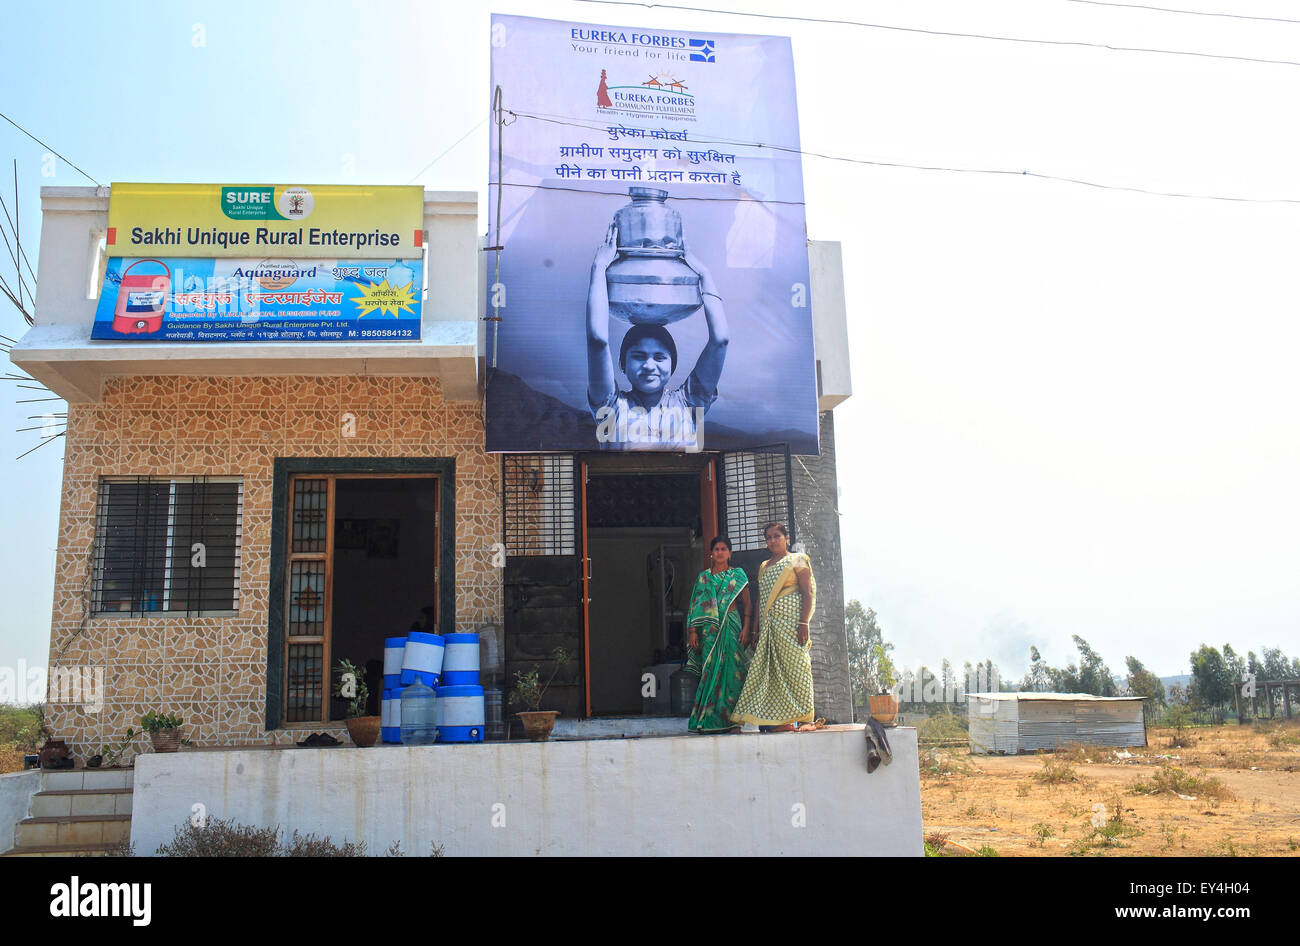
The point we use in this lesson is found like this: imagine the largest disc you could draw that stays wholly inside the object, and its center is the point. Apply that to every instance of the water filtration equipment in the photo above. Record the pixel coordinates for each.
(141, 299)
(419, 710)
(460, 662)
(394, 648)
(423, 658)
(461, 714)
(390, 719)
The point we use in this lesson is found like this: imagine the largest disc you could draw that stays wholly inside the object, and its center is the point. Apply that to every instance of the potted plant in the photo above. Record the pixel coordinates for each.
(528, 693)
(351, 686)
(115, 755)
(884, 705)
(164, 730)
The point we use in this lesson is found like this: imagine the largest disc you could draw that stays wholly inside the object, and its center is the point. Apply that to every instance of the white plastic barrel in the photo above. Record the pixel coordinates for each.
(423, 658)
(460, 662)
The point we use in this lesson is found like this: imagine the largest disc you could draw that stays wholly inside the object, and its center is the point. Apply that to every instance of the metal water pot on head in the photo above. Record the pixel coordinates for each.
(650, 282)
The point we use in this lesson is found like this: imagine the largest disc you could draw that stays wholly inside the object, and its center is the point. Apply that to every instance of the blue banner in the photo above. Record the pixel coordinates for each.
(223, 300)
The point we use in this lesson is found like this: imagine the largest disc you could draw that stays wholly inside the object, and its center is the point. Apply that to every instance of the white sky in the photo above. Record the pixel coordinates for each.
(1074, 409)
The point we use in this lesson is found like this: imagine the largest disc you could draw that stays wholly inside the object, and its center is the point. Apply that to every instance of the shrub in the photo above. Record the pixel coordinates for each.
(1042, 831)
(1056, 770)
(936, 763)
(220, 838)
(1171, 780)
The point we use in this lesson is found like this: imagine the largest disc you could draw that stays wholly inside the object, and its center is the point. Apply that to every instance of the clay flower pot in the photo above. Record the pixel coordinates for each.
(364, 730)
(166, 740)
(884, 707)
(538, 724)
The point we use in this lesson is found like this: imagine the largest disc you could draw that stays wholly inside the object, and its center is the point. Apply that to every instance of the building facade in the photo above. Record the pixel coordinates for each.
(236, 517)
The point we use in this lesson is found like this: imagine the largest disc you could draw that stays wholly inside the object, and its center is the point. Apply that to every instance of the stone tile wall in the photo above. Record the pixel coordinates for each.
(212, 671)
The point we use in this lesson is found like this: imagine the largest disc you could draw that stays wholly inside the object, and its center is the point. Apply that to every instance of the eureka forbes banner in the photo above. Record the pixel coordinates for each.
(653, 290)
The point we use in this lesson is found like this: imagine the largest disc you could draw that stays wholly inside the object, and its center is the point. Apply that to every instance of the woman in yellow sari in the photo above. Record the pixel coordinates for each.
(778, 691)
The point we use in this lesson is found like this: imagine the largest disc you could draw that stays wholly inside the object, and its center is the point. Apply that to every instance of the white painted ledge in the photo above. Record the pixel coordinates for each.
(747, 795)
(73, 366)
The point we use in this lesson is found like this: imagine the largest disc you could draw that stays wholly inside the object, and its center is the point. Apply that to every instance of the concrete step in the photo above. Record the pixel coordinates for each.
(86, 801)
(77, 830)
(71, 780)
(63, 850)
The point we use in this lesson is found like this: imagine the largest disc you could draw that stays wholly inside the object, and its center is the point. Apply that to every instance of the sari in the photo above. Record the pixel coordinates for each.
(721, 662)
(779, 687)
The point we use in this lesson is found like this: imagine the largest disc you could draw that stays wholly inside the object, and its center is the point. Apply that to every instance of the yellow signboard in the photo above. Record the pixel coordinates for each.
(333, 221)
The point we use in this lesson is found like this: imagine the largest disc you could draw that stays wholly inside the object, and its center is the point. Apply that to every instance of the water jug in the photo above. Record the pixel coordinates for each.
(650, 283)
(419, 715)
(681, 688)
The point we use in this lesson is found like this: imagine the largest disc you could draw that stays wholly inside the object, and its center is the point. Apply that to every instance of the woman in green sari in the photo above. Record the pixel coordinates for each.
(716, 639)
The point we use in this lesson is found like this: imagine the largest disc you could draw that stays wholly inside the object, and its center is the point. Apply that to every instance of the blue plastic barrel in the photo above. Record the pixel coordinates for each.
(460, 663)
(423, 658)
(393, 649)
(460, 714)
(419, 715)
(390, 720)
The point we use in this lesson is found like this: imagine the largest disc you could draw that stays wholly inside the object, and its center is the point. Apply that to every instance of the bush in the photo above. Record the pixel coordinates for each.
(1171, 780)
(1056, 770)
(219, 838)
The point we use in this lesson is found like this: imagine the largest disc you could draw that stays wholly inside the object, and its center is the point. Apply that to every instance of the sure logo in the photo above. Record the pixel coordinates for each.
(249, 203)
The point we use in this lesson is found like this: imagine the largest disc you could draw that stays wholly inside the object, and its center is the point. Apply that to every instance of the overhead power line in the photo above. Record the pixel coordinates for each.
(1142, 6)
(50, 150)
(952, 33)
(1001, 172)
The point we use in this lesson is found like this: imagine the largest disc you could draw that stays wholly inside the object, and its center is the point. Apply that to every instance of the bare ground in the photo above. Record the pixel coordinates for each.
(1235, 790)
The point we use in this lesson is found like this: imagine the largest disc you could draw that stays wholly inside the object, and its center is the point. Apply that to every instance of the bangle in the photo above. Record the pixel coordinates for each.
(802, 624)
(714, 294)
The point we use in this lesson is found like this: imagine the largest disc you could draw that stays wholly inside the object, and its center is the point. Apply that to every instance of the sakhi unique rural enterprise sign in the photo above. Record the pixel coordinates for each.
(211, 262)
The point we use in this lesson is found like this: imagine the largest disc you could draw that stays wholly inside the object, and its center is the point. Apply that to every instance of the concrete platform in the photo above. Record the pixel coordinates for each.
(750, 794)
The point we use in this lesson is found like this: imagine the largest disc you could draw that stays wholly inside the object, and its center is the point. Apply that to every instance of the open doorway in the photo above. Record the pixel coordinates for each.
(361, 562)
(645, 544)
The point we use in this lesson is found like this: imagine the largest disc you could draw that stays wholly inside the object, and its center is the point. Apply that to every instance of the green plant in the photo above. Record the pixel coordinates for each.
(986, 851)
(937, 764)
(116, 753)
(528, 691)
(351, 686)
(152, 722)
(1042, 831)
(1171, 780)
(1056, 770)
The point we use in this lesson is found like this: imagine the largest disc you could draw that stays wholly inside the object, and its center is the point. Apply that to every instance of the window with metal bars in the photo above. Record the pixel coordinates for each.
(756, 491)
(167, 544)
(540, 503)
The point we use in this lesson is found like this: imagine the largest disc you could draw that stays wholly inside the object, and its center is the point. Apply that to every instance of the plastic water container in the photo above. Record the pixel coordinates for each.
(423, 658)
(390, 720)
(460, 663)
(393, 649)
(419, 715)
(460, 714)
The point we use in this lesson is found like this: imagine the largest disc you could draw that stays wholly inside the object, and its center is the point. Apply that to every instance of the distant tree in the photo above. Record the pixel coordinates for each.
(1211, 686)
(946, 678)
(1038, 679)
(1142, 682)
(1094, 676)
(870, 667)
(1236, 663)
(1276, 664)
(1253, 666)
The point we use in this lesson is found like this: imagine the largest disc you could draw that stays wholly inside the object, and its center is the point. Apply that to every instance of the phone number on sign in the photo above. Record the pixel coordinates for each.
(385, 333)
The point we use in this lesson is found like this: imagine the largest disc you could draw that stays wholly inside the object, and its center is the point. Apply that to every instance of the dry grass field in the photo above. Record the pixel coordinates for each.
(1225, 790)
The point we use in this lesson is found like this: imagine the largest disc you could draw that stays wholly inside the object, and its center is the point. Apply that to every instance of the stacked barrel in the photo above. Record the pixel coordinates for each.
(448, 664)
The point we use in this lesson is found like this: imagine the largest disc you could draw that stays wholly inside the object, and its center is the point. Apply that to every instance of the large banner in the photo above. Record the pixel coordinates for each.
(653, 290)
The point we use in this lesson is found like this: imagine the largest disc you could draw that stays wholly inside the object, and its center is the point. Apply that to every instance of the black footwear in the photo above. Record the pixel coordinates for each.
(318, 740)
(878, 737)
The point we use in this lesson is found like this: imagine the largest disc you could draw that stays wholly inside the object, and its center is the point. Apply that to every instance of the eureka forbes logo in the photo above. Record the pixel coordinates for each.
(702, 50)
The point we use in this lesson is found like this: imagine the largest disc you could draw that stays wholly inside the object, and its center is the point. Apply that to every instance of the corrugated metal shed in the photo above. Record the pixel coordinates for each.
(1026, 722)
